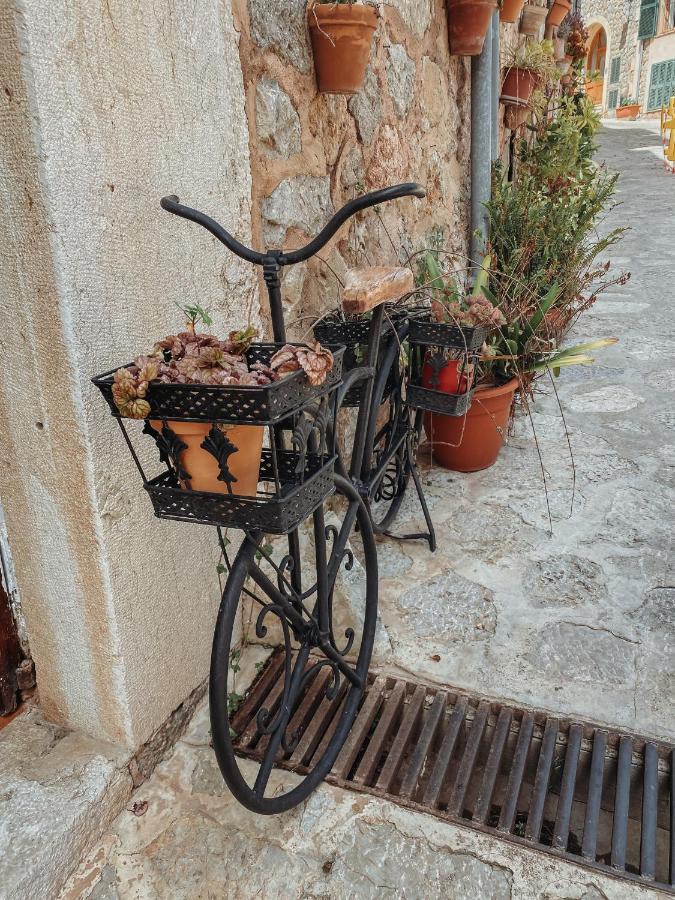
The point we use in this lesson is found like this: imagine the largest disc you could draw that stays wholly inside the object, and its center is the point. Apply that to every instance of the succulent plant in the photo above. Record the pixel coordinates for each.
(193, 358)
(316, 362)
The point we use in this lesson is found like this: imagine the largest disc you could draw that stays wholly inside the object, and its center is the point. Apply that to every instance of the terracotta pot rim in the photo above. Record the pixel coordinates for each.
(493, 3)
(358, 14)
(509, 387)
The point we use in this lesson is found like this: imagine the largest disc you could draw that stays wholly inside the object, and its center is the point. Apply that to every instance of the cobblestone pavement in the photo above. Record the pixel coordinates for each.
(579, 622)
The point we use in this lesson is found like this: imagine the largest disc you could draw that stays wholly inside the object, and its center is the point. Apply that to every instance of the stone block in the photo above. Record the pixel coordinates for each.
(277, 123)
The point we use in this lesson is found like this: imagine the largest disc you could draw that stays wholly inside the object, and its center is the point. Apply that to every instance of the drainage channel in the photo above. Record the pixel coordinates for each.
(599, 798)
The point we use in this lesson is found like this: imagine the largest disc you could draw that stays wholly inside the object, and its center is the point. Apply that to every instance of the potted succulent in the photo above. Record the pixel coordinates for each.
(527, 68)
(511, 10)
(533, 19)
(194, 358)
(342, 34)
(629, 108)
(558, 11)
(468, 22)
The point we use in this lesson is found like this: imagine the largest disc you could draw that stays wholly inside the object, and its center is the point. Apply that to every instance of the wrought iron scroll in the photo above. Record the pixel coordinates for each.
(170, 447)
(313, 420)
(221, 448)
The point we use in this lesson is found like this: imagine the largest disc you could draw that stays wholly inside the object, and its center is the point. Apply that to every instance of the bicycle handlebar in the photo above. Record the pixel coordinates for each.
(173, 205)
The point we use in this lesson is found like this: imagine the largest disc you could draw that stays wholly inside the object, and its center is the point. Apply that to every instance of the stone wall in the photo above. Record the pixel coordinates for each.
(620, 21)
(311, 153)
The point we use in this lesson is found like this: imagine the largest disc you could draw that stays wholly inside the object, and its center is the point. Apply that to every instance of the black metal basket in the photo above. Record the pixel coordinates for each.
(296, 470)
(354, 333)
(276, 512)
(438, 401)
(233, 404)
(423, 330)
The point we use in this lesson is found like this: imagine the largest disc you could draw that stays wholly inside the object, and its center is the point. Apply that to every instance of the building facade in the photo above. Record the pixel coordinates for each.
(631, 51)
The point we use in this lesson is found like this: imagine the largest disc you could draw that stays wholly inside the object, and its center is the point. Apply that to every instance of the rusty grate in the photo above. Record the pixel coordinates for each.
(596, 797)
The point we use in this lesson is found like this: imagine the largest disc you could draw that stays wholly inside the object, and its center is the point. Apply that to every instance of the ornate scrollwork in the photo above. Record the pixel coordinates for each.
(313, 419)
(170, 447)
(266, 722)
(219, 446)
(437, 362)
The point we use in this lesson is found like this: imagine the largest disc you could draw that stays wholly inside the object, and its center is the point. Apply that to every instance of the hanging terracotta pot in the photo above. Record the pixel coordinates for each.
(533, 20)
(342, 35)
(480, 435)
(511, 9)
(564, 64)
(558, 12)
(202, 466)
(468, 23)
(518, 86)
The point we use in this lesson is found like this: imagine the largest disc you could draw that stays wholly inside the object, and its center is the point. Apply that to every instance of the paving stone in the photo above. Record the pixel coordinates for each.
(613, 398)
(301, 202)
(376, 864)
(277, 123)
(207, 777)
(565, 580)
(280, 25)
(449, 608)
(576, 652)
(401, 73)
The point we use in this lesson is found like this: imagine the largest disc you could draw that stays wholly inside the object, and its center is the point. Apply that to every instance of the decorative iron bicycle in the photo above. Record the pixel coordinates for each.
(319, 600)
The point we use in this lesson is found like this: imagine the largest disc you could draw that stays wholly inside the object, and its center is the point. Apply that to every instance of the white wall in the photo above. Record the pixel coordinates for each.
(106, 107)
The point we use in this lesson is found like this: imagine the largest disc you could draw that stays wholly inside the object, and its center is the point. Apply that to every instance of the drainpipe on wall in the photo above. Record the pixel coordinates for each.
(496, 85)
(481, 146)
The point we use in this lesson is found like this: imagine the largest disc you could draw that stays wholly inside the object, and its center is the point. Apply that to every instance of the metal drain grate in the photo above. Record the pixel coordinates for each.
(595, 797)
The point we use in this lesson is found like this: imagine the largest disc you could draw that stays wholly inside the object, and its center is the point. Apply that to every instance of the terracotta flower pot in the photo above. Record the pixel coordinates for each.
(468, 22)
(558, 12)
(342, 35)
(516, 117)
(203, 467)
(594, 91)
(564, 64)
(511, 10)
(628, 112)
(484, 430)
(518, 86)
(533, 20)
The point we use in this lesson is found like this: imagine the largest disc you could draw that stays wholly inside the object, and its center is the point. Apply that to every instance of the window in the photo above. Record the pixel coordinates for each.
(615, 71)
(613, 98)
(661, 84)
(671, 14)
(649, 19)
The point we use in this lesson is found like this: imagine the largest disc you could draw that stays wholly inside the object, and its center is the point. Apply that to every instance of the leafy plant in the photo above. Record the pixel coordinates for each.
(454, 302)
(628, 101)
(536, 57)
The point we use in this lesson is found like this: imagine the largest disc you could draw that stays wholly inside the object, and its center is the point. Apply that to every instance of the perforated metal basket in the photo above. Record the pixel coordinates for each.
(233, 404)
(423, 330)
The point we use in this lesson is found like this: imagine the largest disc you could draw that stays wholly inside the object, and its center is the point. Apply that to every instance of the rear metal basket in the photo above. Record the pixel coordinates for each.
(423, 330)
(438, 401)
(354, 333)
(233, 404)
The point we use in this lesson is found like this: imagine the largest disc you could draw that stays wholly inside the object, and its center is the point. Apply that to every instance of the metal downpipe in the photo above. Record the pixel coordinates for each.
(482, 111)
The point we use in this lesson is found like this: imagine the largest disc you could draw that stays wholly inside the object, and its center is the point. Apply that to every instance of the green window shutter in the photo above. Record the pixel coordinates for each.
(615, 71)
(613, 98)
(649, 19)
(661, 84)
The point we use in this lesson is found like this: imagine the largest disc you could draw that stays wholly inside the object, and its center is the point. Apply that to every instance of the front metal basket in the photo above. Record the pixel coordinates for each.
(296, 468)
(276, 512)
(233, 404)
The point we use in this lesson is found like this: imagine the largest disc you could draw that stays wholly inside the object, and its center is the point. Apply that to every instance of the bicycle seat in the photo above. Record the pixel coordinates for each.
(367, 288)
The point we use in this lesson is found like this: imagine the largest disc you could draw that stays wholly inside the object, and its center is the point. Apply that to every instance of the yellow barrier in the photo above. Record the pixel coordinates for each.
(668, 133)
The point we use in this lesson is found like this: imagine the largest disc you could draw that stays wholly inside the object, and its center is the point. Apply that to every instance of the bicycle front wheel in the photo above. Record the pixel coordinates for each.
(326, 634)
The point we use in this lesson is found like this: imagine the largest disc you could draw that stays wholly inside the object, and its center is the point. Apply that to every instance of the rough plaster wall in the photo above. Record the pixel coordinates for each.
(410, 122)
(104, 108)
